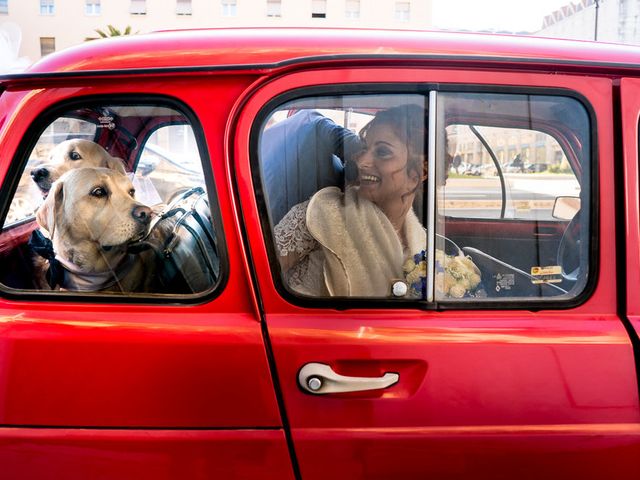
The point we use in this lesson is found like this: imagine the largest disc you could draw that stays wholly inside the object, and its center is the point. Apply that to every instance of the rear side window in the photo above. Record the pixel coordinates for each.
(112, 200)
(436, 197)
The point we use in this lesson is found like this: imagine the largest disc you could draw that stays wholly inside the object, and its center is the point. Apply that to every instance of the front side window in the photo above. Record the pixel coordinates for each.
(112, 201)
(367, 198)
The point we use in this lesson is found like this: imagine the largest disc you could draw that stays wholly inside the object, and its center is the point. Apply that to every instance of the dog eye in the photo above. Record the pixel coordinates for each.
(98, 192)
(132, 192)
(74, 156)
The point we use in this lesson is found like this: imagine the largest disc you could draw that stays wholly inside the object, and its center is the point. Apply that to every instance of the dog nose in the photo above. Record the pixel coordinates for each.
(39, 174)
(141, 213)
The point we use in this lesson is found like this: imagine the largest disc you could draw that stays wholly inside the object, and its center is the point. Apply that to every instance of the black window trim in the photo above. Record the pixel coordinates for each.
(19, 163)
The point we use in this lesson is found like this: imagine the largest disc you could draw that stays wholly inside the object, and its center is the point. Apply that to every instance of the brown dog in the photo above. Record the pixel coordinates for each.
(71, 154)
(91, 216)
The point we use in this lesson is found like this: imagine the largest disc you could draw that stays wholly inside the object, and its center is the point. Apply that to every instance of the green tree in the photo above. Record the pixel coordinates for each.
(111, 32)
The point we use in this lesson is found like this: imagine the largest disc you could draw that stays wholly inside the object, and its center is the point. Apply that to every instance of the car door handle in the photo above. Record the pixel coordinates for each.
(318, 378)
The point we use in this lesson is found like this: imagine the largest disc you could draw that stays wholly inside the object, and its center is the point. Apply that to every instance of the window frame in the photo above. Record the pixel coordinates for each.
(92, 8)
(229, 8)
(21, 158)
(138, 7)
(424, 89)
(44, 40)
(47, 7)
(184, 7)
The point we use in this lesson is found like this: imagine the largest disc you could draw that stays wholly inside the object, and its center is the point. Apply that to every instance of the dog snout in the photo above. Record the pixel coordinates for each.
(141, 213)
(39, 174)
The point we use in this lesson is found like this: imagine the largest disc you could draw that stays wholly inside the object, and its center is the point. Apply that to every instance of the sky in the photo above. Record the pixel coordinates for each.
(510, 15)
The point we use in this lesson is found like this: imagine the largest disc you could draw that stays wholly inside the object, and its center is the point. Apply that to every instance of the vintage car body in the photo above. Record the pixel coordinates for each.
(207, 386)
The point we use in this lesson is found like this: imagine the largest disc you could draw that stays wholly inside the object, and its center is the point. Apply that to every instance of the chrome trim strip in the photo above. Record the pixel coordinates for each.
(431, 196)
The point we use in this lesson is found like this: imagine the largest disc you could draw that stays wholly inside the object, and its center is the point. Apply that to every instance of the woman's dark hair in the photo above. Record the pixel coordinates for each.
(409, 123)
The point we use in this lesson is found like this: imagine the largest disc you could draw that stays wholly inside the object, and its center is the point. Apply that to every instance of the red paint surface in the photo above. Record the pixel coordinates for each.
(76, 454)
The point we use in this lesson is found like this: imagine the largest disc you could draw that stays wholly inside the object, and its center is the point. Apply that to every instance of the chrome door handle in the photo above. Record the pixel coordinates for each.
(318, 378)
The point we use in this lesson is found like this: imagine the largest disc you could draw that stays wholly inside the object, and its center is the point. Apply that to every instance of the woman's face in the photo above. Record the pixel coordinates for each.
(382, 168)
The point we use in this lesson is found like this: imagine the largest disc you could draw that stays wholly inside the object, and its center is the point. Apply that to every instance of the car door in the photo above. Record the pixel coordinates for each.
(530, 383)
(163, 383)
(630, 108)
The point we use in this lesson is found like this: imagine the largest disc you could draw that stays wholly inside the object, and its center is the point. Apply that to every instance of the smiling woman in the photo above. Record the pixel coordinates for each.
(361, 237)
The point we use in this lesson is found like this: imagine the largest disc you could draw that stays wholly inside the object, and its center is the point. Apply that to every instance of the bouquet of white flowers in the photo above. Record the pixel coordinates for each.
(456, 275)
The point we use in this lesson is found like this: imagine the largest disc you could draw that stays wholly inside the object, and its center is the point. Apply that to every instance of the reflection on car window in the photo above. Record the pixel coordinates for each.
(113, 200)
(532, 163)
(344, 180)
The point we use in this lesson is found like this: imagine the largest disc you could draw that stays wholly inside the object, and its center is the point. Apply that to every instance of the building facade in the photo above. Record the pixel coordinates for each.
(616, 21)
(49, 25)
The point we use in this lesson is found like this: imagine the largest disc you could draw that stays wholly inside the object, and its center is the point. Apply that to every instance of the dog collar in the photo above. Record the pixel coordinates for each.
(76, 280)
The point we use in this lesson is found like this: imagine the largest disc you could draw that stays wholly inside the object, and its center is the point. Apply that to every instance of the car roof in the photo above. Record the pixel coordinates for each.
(269, 48)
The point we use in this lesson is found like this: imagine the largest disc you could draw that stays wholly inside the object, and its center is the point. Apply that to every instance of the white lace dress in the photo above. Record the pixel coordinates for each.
(294, 241)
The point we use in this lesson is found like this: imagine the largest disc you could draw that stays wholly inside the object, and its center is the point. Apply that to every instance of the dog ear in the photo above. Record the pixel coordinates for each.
(46, 214)
(114, 163)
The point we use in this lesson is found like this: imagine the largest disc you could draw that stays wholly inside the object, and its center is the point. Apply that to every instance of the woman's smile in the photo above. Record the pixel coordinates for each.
(368, 178)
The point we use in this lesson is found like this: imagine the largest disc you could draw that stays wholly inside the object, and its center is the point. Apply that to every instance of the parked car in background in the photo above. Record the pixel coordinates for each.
(531, 376)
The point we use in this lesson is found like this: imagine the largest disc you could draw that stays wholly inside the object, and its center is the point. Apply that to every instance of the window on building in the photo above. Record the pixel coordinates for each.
(47, 45)
(138, 7)
(92, 7)
(274, 8)
(229, 8)
(318, 8)
(403, 11)
(47, 7)
(4, 6)
(352, 9)
(183, 7)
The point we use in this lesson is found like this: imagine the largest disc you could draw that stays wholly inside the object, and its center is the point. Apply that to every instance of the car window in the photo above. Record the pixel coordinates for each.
(439, 197)
(112, 200)
(337, 199)
(533, 155)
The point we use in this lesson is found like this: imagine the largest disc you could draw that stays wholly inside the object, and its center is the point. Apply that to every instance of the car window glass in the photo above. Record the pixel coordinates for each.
(502, 210)
(28, 196)
(112, 200)
(488, 200)
(532, 163)
(343, 179)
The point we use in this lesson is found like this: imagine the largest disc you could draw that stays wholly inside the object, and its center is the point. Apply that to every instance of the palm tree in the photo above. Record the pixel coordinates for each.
(111, 32)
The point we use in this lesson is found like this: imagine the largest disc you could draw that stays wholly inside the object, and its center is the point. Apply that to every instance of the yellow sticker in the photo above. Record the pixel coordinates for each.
(550, 274)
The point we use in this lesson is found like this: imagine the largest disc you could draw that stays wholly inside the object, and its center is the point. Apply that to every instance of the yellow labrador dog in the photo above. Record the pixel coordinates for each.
(71, 154)
(91, 216)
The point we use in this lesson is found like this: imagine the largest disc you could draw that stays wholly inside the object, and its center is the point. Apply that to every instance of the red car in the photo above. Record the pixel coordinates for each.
(300, 317)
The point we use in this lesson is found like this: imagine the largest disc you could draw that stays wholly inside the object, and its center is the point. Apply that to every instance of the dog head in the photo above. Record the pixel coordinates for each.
(91, 215)
(71, 154)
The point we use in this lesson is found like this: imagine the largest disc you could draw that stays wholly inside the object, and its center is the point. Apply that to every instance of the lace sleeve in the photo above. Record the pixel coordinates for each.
(291, 234)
